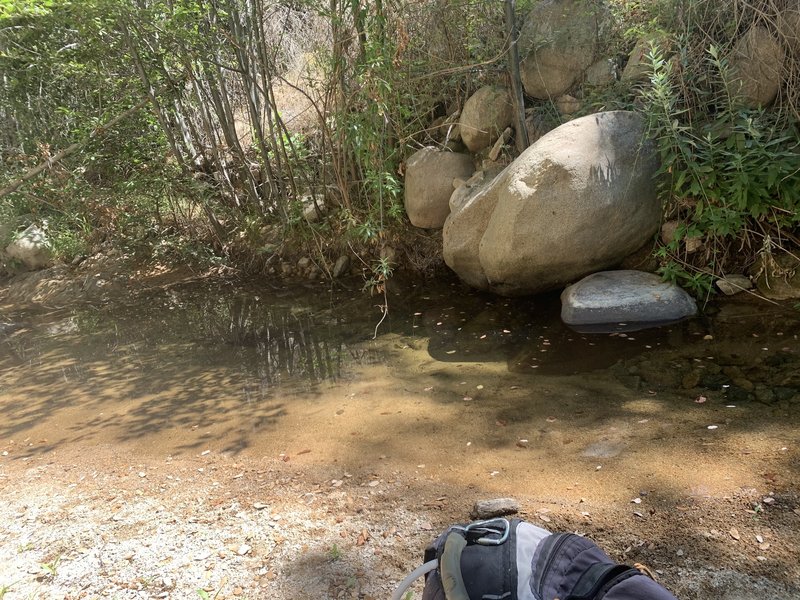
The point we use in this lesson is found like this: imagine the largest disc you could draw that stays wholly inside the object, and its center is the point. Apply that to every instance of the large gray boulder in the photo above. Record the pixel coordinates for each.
(558, 41)
(579, 200)
(429, 185)
(789, 30)
(638, 66)
(471, 209)
(757, 64)
(601, 72)
(31, 248)
(485, 115)
(626, 299)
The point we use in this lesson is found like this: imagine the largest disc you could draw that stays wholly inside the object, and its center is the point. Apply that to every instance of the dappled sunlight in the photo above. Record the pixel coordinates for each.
(499, 396)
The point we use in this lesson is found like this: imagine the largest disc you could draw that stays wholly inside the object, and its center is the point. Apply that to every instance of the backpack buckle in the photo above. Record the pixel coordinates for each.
(500, 528)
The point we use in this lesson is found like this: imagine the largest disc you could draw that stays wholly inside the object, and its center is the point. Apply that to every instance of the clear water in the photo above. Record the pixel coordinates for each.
(244, 365)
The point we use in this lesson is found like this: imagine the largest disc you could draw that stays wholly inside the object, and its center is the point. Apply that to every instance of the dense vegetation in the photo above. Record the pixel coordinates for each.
(221, 130)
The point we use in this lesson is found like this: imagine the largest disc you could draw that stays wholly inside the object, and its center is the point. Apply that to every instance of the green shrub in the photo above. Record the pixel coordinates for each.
(730, 176)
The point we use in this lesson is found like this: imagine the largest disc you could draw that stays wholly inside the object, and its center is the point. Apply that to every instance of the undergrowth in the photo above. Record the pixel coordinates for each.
(381, 80)
(730, 174)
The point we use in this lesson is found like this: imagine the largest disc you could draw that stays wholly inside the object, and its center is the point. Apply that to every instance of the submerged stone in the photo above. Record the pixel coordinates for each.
(624, 300)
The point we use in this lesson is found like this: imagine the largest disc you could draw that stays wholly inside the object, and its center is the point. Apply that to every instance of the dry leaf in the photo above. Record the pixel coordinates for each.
(363, 537)
(735, 533)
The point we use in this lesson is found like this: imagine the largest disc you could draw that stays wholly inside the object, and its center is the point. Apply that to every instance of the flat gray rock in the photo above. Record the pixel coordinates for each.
(496, 507)
(629, 300)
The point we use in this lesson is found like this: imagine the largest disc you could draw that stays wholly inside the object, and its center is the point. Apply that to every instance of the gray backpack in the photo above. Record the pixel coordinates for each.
(514, 560)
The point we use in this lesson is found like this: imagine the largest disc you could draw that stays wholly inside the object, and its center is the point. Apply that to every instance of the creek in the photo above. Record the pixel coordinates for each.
(479, 387)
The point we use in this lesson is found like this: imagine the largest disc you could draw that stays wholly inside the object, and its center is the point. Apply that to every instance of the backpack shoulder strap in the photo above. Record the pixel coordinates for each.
(599, 577)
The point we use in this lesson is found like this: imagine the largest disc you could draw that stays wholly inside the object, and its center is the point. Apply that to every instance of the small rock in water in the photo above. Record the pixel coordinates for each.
(497, 507)
(733, 284)
(342, 266)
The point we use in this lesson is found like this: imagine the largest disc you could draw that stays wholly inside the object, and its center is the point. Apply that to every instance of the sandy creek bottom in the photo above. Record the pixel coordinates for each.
(467, 390)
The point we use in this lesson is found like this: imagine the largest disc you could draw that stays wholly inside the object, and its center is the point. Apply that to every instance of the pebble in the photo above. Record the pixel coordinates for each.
(243, 549)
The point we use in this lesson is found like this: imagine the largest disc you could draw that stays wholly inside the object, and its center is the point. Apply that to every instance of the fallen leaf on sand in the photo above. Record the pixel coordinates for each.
(363, 537)
(735, 533)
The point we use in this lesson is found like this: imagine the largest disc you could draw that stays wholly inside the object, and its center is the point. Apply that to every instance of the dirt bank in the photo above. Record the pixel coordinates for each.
(99, 523)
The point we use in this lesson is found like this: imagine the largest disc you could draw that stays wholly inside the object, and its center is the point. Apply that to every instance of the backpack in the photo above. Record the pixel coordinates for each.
(503, 559)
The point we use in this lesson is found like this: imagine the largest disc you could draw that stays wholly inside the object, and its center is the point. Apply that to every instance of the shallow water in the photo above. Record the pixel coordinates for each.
(476, 386)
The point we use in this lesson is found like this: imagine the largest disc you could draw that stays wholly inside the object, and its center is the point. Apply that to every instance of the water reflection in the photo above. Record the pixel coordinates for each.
(306, 338)
(274, 339)
(309, 338)
(528, 335)
(243, 360)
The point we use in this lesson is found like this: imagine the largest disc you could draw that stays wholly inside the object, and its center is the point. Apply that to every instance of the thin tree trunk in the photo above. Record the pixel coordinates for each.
(159, 111)
(518, 97)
